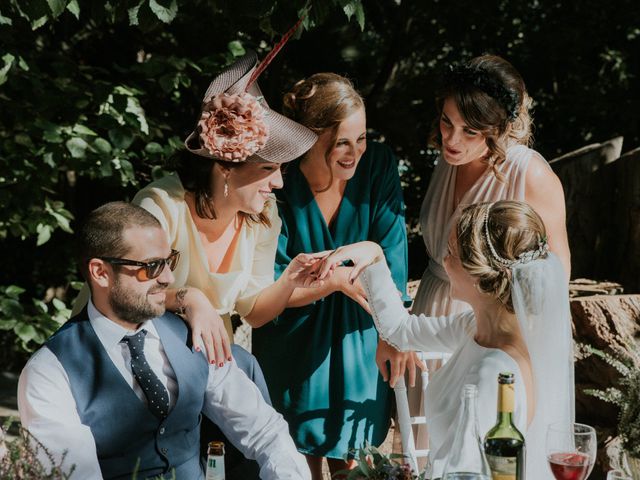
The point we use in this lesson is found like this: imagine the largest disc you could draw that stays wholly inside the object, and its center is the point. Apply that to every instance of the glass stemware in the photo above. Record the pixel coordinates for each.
(571, 450)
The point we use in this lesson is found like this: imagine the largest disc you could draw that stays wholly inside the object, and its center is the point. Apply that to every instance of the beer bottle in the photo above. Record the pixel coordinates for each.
(215, 461)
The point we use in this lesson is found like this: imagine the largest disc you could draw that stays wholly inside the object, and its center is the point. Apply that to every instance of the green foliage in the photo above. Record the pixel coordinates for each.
(19, 458)
(95, 97)
(625, 394)
(29, 325)
(374, 465)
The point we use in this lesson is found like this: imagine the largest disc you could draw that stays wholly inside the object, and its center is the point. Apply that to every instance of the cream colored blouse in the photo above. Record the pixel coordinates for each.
(251, 268)
(252, 264)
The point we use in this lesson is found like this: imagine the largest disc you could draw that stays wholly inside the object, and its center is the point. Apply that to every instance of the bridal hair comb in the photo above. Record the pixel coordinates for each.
(524, 257)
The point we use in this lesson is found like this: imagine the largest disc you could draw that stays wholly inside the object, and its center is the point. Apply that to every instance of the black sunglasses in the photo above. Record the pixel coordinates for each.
(147, 270)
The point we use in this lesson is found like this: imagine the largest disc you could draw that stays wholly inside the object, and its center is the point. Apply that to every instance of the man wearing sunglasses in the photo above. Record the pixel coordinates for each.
(120, 388)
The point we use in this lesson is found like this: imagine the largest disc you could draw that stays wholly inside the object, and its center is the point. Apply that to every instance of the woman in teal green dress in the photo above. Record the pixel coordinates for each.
(319, 356)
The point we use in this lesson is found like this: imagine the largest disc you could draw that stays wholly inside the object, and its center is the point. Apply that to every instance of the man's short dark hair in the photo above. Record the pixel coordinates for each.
(103, 233)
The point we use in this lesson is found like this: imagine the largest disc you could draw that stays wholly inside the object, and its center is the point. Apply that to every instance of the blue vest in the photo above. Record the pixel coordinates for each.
(124, 429)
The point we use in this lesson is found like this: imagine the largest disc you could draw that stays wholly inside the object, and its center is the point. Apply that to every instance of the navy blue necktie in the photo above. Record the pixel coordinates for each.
(154, 390)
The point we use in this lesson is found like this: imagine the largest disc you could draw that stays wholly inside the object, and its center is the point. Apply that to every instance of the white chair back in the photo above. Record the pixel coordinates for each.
(405, 420)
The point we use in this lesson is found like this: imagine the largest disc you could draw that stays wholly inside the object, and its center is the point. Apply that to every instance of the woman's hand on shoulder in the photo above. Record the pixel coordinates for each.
(399, 362)
(207, 326)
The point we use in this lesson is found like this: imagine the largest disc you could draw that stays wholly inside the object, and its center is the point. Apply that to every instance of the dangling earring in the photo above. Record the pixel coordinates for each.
(226, 188)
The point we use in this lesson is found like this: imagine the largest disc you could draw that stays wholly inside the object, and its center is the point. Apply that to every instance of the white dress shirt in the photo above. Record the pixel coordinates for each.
(232, 401)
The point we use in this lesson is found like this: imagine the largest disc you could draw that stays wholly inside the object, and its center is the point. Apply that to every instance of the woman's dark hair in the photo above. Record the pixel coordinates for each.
(196, 173)
(485, 113)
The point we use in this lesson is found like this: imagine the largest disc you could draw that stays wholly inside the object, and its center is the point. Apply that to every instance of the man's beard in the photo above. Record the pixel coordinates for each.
(133, 307)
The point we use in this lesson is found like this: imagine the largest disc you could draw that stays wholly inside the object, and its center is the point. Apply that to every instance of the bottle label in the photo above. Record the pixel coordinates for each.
(215, 467)
(506, 400)
(503, 468)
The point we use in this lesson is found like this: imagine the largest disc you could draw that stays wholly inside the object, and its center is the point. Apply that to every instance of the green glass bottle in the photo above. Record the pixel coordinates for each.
(504, 444)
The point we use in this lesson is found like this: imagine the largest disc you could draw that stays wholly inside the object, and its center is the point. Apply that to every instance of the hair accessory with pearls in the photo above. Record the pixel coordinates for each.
(524, 257)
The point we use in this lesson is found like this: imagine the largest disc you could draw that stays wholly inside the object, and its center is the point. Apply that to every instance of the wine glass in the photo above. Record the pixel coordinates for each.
(617, 475)
(571, 450)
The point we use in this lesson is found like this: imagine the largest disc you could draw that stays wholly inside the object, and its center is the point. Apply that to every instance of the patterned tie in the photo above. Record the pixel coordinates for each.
(156, 393)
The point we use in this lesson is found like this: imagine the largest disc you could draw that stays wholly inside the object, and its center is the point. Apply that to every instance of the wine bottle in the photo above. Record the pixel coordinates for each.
(504, 444)
(466, 459)
(215, 461)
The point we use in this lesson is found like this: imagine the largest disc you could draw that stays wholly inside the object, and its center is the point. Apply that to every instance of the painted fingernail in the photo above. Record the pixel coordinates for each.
(213, 362)
(229, 359)
(221, 364)
(197, 349)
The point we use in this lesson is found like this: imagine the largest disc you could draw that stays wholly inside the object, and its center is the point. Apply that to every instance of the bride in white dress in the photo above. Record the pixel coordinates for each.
(498, 262)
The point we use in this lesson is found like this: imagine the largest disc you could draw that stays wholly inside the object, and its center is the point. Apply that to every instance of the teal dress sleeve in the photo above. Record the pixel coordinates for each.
(388, 227)
(282, 256)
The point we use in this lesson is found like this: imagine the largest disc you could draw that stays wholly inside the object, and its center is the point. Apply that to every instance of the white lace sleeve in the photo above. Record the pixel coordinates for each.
(406, 331)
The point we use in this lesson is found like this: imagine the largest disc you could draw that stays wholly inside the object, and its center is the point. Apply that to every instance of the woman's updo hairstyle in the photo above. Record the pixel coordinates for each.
(513, 228)
(492, 99)
(321, 102)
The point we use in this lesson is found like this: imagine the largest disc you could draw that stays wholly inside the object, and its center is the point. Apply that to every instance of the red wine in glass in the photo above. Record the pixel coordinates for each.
(570, 466)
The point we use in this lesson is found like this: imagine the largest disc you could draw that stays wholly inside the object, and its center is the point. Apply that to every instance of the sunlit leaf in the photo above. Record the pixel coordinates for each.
(153, 148)
(165, 10)
(236, 48)
(5, 20)
(58, 304)
(7, 59)
(101, 145)
(77, 147)
(74, 8)
(14, 291)
(133, 107)
(44, 233)
(25, 332)
(57, 6)
(133, 13)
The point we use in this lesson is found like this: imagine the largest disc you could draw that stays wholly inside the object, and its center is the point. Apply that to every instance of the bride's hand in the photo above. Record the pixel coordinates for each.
(362, 254)
(399, 361)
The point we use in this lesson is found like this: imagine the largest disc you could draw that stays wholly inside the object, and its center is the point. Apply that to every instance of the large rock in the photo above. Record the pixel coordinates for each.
(602, 321)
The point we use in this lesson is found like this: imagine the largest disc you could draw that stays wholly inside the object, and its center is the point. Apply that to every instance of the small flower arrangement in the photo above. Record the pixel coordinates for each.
(233, 127)
(625, 395)
(374, 465)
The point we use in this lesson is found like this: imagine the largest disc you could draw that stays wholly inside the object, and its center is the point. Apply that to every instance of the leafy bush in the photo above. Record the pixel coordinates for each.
(625, 394)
